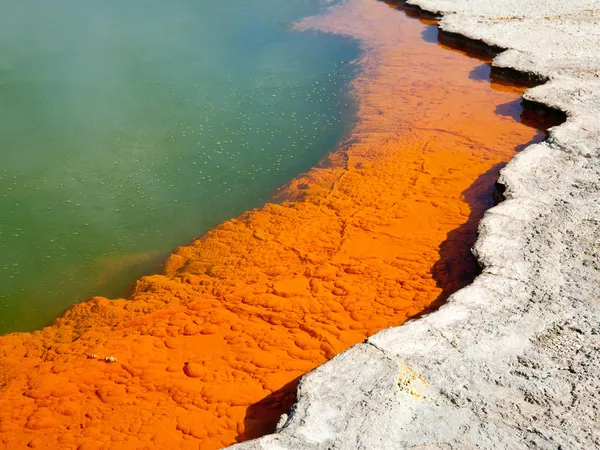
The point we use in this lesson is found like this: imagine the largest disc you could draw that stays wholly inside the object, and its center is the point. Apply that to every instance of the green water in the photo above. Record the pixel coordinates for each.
(129, 127)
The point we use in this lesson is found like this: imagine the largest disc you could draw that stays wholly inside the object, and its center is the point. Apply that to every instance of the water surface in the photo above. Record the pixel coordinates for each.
(129, 127)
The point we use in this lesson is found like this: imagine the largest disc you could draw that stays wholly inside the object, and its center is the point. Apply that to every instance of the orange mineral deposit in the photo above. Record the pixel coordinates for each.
(209, 352)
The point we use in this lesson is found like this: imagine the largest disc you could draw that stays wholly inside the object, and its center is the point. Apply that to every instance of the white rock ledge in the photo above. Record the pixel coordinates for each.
(513, 360)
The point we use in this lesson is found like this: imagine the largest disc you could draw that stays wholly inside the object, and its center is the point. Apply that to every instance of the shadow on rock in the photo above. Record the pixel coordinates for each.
(457, 267)
(481, 73)
(262, 417)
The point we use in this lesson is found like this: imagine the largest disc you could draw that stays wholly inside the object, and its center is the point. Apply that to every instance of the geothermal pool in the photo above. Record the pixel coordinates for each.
(130, 127)
(209, 352)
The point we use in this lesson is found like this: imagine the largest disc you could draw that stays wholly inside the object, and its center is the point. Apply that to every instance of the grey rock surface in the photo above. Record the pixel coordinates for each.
(513, 360)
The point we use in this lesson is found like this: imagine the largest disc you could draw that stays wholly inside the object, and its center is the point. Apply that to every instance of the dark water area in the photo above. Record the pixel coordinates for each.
(128, 128)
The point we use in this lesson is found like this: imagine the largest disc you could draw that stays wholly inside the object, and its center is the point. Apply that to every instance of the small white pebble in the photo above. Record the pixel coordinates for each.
(93, 356)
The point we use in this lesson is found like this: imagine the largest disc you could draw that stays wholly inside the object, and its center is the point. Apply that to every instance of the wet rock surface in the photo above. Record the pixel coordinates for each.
(512, 360)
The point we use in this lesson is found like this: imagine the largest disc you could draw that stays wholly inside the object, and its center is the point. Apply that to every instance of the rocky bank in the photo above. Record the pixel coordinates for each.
(512, 360)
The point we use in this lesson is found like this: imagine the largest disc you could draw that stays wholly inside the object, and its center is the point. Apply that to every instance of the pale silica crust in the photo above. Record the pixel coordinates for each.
(511, 361)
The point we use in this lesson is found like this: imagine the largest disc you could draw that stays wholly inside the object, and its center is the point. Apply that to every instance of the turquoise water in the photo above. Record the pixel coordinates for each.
(130, 127)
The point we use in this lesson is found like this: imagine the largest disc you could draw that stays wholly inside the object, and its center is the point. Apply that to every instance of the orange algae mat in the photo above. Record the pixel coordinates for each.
(209, 353)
